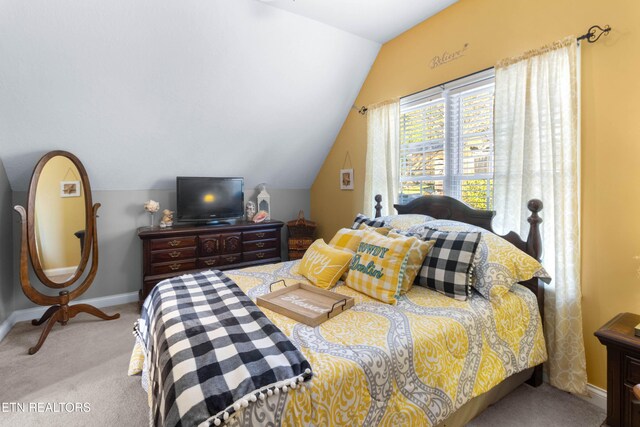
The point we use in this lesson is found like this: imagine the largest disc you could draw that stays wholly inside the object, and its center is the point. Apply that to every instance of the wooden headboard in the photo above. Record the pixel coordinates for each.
(445, 207)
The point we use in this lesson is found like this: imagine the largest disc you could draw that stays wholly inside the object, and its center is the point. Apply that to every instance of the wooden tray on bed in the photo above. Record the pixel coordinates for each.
(305, 303)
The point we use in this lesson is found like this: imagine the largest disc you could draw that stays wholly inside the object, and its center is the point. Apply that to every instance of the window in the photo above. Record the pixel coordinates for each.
(446, 141)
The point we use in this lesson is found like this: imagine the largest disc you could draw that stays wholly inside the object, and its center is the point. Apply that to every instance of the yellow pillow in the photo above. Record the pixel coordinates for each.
(381, 230)
(417, 253)
(379, 266)
(323, 265)
(136, 361)
(347, 239)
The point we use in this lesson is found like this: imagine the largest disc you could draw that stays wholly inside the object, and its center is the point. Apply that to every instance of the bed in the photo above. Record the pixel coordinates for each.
(428, 360)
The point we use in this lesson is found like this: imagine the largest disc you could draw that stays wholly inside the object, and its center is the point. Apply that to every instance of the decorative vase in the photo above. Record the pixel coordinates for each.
(152, 207)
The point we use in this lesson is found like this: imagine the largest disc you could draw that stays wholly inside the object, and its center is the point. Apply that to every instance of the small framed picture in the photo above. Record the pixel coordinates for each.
(346, 179)
(69, 188)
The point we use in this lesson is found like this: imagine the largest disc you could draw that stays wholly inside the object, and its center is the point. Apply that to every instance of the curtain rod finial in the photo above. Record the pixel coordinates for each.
(594, 33)
(362, 110)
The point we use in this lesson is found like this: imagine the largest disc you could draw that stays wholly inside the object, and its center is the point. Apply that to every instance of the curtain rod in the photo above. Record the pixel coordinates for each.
(592, 35)
(363, 110)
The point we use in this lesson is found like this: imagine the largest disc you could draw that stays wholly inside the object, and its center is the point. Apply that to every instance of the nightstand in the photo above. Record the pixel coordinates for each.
(623, 369)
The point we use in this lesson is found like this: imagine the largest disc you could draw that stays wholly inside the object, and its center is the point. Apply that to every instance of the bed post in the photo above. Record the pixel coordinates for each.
(378, 206)
(534, 248)
(534, 240)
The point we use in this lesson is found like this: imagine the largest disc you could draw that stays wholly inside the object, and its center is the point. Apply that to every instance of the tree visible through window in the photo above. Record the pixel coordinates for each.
(446, 141)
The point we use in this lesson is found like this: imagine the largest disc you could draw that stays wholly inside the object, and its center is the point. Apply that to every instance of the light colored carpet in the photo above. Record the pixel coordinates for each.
(544, 406)
(87, 360)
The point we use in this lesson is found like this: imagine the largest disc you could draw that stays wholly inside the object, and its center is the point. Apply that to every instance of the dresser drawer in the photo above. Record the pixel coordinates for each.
(173, 267)
(173, 243)
(260, 234)
(260, 255)
(211, 262)
(172, 255)
(259, 245)
(632, 370)
(230, 259)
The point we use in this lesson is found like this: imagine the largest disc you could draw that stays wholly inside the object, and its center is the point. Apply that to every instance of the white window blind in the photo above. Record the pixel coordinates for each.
(446, 141)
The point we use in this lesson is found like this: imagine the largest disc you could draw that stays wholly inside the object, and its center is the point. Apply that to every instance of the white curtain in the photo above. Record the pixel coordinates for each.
(383, 148)
(537, 155)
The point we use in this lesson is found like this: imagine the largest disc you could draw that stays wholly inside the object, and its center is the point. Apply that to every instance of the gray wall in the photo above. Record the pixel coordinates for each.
(120, 250)
(6, 248)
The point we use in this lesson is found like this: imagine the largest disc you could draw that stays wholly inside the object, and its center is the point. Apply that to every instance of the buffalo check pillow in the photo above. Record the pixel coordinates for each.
(497, 265)
(363, 219)
(448, 266)
(397, 222)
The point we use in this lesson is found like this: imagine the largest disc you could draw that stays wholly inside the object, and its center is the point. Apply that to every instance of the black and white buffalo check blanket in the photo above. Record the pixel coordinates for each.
(211, 351)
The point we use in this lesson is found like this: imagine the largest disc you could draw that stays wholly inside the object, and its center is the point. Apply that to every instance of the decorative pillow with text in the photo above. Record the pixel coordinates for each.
(379, 266)
(323, 265)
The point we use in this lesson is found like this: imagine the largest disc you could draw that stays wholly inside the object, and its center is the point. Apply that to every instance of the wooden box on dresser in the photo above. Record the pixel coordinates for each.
(168, 252)
(623, 369)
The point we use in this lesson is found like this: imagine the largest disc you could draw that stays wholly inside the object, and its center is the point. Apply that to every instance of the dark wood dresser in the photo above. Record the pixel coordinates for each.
(168, 252)
(623, 369)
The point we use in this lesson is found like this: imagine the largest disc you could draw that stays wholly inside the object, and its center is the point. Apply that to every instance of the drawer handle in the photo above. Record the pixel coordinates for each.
(210, 262)
(260, 234)
(174, 254)
(174, 267)
(260, 255)
(260, 244)
(231, 258)
(174, 243)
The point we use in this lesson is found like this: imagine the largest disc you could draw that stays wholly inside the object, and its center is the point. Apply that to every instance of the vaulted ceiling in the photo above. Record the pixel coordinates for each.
(142, 91)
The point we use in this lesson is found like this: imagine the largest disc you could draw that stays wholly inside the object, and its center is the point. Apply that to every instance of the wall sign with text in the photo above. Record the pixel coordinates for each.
(447, 56)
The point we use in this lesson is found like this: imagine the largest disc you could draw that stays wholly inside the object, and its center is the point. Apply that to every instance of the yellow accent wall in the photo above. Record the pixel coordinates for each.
(495, 29)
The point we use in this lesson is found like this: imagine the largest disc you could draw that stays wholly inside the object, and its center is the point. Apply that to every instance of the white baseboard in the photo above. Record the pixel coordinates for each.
(596, 396)
(36, 312)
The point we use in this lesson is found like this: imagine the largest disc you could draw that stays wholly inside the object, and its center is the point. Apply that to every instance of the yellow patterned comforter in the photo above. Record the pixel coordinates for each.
(410, 364)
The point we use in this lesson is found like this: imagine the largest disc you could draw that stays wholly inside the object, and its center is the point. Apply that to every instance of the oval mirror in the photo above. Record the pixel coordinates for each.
(60, 205)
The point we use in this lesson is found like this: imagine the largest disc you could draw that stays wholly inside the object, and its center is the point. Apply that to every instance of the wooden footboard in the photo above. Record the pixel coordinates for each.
(445, 207)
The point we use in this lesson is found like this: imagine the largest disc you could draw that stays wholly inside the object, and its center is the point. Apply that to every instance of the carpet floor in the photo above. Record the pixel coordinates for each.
(85, 363)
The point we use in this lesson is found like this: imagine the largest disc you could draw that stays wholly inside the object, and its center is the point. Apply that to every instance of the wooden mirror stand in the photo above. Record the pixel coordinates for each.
(30, 250)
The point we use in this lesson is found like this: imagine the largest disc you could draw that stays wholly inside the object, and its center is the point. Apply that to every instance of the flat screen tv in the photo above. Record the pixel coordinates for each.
(209, 200)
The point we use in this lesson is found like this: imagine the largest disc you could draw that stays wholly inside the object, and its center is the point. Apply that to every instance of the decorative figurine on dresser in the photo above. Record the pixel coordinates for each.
(250, 210)
(209, 232)
(167, 219)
